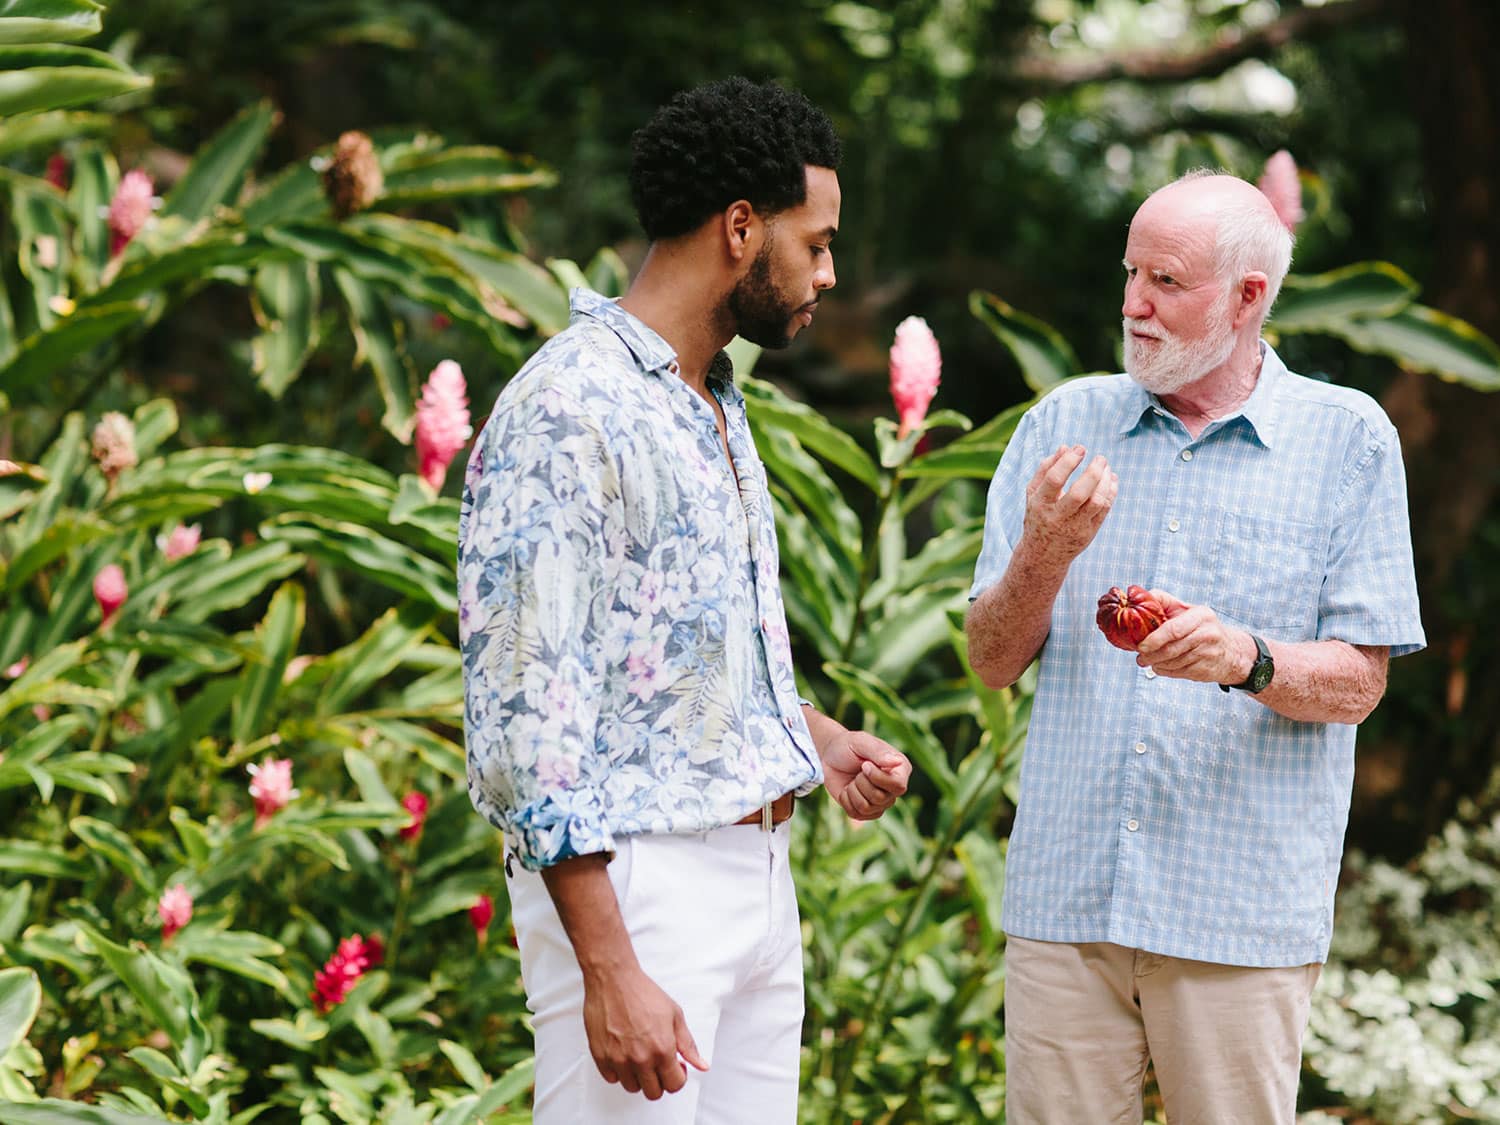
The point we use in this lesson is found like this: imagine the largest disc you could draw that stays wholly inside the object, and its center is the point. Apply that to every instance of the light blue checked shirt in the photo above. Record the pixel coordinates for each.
(627, 667)
(1167, 815)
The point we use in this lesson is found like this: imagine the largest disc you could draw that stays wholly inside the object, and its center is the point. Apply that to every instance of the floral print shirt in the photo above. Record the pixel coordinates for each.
(627, 667)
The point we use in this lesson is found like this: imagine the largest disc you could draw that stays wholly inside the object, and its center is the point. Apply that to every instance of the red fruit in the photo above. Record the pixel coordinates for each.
(1128, 616)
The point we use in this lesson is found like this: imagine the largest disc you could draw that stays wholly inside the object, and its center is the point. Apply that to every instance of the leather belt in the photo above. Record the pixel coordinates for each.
(772, 813)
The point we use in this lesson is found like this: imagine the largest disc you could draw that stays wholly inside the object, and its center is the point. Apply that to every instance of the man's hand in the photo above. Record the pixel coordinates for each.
(1060, 524)
(1193, 644)
(637, 1034)
(864, 774)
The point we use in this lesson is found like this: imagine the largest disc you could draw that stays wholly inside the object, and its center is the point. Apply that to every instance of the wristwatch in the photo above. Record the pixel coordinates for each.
(1260, 672)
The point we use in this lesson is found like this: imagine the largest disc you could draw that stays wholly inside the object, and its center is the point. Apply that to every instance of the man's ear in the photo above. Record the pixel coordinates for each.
(1254, 287)
(741, 227)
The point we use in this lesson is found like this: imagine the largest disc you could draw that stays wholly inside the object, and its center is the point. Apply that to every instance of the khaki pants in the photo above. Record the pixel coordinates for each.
(1082, 1021)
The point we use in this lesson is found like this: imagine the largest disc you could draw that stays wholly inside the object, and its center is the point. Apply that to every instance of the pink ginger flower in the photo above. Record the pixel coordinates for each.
(18, 669)
(916, 364)
(175, 908)
(271, 787)
(480, 916)
(110, 591)
(180, 542)
(130, 208)
(415, 803)
(442, 422)
(113, 444)
(1279, 184)
(350, 961)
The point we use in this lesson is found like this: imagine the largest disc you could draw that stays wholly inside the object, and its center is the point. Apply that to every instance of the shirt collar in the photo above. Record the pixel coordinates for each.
(1258, 411)
(651, 352)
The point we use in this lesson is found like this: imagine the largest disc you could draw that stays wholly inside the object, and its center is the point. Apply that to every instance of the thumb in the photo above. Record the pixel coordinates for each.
(1170, 604)
(876, 751)
(685, 1045)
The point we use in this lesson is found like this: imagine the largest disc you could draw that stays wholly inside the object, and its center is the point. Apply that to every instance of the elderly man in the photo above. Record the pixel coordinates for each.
(633, 722)
(1170, 880)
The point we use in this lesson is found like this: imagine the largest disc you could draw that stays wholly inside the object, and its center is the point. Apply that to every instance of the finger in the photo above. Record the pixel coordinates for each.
(629, 1080)
(1068, 459)
(884, 782)
(686, 1046)
(855, 803)
(650, 1083)
(673, 1076)
(607, 1070)
(1171, 604)
(1088, 482)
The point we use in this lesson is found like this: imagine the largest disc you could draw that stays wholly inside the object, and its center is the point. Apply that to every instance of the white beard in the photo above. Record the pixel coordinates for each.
(1170, 364)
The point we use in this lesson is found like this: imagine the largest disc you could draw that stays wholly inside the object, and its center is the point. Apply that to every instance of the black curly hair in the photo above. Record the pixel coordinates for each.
(722, 141)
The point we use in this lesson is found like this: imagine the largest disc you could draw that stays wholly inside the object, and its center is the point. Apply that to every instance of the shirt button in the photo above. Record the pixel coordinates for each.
(1140, 747)
(1150, 673)
(1173, 525)
(1187, 454)
(1132, 824)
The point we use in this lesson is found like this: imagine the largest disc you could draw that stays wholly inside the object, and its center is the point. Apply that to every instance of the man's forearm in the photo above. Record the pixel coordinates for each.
(1323, 681)
(1008, 623)
(590, 913)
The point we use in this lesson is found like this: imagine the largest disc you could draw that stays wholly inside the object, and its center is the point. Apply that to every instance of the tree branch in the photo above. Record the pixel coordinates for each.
(1046, 72)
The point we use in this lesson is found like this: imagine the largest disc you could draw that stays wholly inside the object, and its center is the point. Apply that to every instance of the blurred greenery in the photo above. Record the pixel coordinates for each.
(270, 355)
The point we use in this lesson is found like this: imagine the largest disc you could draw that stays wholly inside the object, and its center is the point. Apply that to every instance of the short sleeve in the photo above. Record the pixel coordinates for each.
(1005, 509)
(1369, 594)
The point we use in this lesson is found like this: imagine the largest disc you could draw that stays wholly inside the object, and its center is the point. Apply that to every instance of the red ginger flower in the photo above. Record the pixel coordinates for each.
(130, 208)
(415, 803)
(350, 961)
(1279, 184)
(57, 171)
(916, 366)
(442, 422)
(110, 591)
(175, 908)
(271, 787)
(113, 444)
(480, 915)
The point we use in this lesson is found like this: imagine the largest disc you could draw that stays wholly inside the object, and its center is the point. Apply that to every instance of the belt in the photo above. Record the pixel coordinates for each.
(772, 813)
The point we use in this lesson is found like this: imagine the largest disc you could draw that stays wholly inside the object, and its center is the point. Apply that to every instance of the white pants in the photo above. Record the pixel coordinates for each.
(713, 919)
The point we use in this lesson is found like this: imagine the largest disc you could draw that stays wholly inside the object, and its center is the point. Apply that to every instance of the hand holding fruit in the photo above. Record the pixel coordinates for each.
(1178, 640)
(1127, 617)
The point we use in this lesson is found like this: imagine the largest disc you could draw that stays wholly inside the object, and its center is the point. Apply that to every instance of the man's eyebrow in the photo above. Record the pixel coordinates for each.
(828, 232)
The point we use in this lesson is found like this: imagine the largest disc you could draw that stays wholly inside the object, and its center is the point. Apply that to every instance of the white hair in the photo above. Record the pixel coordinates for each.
(1250, 237)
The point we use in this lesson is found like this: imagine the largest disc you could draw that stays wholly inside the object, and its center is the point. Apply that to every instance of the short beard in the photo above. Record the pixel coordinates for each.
(1175, 363)
(759, 312)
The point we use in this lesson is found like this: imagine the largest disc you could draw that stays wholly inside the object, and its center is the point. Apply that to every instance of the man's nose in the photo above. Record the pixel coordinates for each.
(1134, 306)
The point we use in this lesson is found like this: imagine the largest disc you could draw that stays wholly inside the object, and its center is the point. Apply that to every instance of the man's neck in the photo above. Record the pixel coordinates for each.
(681, 305)
(1220, 392)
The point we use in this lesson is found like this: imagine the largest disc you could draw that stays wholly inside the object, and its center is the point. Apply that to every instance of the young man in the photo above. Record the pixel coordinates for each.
(1170, 878)
(633, 723)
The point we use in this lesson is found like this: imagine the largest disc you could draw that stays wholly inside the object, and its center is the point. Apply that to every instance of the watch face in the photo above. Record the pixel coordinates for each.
(1261, 673)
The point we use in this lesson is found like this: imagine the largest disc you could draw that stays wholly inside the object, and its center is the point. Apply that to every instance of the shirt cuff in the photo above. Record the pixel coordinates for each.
(559, 826)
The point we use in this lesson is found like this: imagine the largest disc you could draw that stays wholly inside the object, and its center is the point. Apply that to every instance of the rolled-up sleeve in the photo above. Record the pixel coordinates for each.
(541, 494)
(1369, 594)
(1005, 508)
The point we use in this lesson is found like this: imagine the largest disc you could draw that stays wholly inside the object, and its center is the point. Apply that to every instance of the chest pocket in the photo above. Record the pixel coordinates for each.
(1269, 574)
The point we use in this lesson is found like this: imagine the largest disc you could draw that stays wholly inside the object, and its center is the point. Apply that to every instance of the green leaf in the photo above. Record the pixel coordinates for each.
(1327, 301)
(522, 284)
(48, 21)
(358, 666)
(219, 167)
(48, 352)
(95, 174)
(55, 1111)
(507, 1088)
(304, 1035)
(189, 262)
(773, 410)
(366, 776)
(20, 1000)
(461, 1057)
(420, 176)
(285, 300)
(196, 841)
(164, 992)
(1424, 339)
(984, 871)
(118, 849)
(974, 456)
(15, 902)
(377, 342)
(47, 77)
(36, 859)
(453, 894)
(241, 952)
(383, 560)
(155, 421)
(48, 130)
(260, 683)
(608, 276)
(1045, 358)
